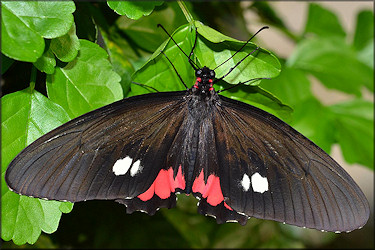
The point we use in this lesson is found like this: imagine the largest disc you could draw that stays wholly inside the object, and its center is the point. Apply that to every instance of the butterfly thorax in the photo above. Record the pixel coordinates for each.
(202, 96)
(204, 82)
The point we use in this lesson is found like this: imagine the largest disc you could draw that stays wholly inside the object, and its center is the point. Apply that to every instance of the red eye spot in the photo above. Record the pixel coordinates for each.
(210, 80)
(199, 79)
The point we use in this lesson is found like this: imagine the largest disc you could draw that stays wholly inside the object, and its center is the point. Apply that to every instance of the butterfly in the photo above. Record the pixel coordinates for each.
(237, 160)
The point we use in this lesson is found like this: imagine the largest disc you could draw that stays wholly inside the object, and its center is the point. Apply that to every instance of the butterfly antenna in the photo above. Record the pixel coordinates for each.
(195, 43)
(264, 27)
(231, 69)
(174, 69)
(192, 63)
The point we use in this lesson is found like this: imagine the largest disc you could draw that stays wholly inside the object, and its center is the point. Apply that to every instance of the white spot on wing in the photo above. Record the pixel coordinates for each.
(122, 166)
(232, 221)
(242, 214)
(245, 182)
(211, 215)
(136, 168)
(259, 183)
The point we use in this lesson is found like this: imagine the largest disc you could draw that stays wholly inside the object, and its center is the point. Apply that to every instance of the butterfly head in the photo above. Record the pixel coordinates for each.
(205, 80)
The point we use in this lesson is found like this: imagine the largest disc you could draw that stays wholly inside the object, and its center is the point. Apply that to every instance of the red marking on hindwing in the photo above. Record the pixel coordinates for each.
(164, 184)
(227, 206)
(210, 190)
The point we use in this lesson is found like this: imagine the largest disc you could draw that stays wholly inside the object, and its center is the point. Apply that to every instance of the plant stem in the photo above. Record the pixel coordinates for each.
(32, 78)
(186, 12)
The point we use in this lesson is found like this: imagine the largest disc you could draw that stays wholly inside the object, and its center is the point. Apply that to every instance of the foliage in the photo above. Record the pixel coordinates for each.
(75, 76)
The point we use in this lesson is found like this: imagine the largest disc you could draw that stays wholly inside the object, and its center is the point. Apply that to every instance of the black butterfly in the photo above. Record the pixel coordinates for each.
(238, 160)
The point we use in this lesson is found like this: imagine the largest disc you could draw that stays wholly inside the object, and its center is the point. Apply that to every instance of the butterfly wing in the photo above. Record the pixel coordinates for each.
(268, 170)
(246, 163)
(115, 152)
(206, 181)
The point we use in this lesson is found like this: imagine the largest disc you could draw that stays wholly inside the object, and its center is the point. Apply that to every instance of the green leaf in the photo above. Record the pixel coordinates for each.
(134, 9)
(310, 117)
(46, 63)
(323, 22)
(258, 97)
(157, 72)
(268, 14)
(66, 47)
(66, 207)
(25, 24)
(120, 63)
(127, 52)
(22, 217)
(334, 63)
(364, 31)
(314, 121)
(19, 42)
(86, 83)
(52, 211)
(292, 86)
(355, 130)
(160, 74)
(213, 48)
(227, 16)
(366, 56)
(130, 52)
(211, 34)
(49, 19)
(144, 31)
(25, 116)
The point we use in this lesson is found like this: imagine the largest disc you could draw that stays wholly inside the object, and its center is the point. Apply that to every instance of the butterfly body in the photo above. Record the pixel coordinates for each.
(238, 160)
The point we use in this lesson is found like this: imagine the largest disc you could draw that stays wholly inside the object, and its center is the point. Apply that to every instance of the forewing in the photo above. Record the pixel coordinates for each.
(115, 152)
(268, 170)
